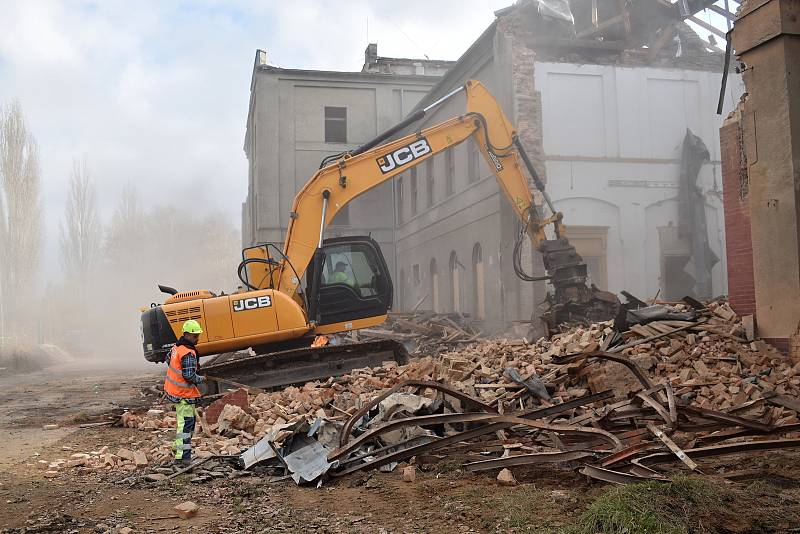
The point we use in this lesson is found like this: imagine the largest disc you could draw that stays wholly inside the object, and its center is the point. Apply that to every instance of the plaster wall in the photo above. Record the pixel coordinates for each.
(612, 139)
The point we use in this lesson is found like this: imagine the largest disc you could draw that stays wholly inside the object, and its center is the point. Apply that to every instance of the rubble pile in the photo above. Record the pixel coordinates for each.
(425, 332)
(102, 459)
(687, 381)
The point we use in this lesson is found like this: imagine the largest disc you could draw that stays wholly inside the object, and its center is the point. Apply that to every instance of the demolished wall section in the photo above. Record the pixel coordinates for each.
(739, 244)
(766, 37)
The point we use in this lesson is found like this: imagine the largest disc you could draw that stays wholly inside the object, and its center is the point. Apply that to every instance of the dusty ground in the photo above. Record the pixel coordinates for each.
(442, 499)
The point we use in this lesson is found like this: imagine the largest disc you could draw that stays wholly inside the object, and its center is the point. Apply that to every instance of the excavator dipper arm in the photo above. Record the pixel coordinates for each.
(366, 167)
(336, 184)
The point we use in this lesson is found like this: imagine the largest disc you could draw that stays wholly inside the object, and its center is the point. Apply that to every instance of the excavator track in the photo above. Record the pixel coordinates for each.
(299, 365)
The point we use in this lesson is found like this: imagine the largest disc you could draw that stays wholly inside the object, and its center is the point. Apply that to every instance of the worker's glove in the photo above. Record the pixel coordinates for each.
(200, 380)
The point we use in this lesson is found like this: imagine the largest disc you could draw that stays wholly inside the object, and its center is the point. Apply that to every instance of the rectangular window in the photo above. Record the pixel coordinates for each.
(430, 183)
(472, 161)
(413, 172)
(450, 170)
(399, 195)
(415, 271)
(335, 125)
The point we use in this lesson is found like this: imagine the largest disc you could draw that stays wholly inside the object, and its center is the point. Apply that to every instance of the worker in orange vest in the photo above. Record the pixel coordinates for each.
(180, 385)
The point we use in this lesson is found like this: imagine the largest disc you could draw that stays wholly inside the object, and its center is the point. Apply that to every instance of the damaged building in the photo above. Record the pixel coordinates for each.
(616, 105)
(298, 117)
(760, 167)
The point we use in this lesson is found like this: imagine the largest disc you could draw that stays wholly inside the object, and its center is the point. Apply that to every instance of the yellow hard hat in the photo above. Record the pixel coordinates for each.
(192, 327)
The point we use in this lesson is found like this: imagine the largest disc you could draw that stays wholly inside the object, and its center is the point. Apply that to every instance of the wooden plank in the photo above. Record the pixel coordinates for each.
(661, 327)
(666, 35)
(721, 11)
(651, 338)
(707, 26)
(602, 26)
(643, 331)
(784, 401)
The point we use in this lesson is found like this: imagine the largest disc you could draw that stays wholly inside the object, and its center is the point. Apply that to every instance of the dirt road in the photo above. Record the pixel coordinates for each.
(442, 499)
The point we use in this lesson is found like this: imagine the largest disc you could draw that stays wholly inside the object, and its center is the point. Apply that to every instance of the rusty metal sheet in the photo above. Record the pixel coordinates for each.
(495, 422)
(671, 404)
(348, 426)
(614, 477)
(564, 406)
(473, 417)
(660, 410)
(731, 433)
(528, 459)
(720, 450)
(725, 418)
(628, 452)
(644, 472)
(422, 420)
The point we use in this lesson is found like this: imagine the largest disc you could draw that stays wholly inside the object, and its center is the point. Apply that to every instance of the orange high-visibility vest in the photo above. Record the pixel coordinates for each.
(174, 383)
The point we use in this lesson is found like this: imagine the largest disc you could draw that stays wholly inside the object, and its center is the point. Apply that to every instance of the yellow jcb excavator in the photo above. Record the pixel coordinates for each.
(313, 286)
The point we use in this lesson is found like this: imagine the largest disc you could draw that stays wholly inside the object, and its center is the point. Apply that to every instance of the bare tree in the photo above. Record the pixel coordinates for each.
(125, 240)
(81, 232)
(20, 211)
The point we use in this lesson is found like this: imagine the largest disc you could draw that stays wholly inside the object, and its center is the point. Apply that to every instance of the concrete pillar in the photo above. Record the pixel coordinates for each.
(766, 37)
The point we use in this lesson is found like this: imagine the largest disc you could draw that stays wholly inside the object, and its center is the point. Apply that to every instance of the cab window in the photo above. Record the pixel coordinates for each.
(352, 265)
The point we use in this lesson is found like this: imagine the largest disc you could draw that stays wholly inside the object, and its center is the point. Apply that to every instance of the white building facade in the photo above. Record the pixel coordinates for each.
(612, 140)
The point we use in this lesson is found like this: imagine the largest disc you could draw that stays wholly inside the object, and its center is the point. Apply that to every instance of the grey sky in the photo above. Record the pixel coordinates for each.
(156, 92)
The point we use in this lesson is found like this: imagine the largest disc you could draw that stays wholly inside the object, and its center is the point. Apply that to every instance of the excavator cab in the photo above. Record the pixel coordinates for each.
(352, 281)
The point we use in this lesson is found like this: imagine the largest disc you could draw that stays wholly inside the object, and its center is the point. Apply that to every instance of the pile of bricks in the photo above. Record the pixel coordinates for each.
(103, 459)
(712, 362)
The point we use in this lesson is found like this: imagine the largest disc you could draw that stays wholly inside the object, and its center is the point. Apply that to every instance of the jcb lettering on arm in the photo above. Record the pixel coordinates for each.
(404, 155)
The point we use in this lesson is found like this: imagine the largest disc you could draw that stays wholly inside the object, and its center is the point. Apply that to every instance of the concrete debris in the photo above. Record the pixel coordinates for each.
(139, 458)
(237, 398)
(409, 473)
(126, 454)
(506, 478)
(591, 391)
(186, 510)
(234, 417)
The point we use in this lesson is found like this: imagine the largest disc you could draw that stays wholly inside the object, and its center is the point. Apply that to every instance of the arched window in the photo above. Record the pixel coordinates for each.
(478, 306)
(434, 272)
(455, 284)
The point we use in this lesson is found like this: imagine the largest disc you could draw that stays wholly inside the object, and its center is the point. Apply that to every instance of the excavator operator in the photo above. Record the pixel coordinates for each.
(180, 385)
(340, 275)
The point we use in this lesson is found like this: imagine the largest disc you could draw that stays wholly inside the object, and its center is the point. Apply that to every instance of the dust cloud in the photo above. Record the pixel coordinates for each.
(92, 319)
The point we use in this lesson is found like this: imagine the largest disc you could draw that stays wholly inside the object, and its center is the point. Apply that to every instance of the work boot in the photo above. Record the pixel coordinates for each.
(181, 463)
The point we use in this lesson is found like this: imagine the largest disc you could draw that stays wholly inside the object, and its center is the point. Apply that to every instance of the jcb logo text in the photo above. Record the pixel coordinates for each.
(252, 303)
(404, 155)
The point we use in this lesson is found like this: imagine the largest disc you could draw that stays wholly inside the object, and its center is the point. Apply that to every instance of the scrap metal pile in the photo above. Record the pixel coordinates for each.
(614, 406)
(679, 385)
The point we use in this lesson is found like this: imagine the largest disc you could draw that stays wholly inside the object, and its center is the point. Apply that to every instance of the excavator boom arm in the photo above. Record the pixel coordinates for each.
(338, 183)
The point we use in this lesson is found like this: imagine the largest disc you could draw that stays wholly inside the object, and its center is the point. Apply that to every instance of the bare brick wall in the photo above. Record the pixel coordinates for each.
(738, 243)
